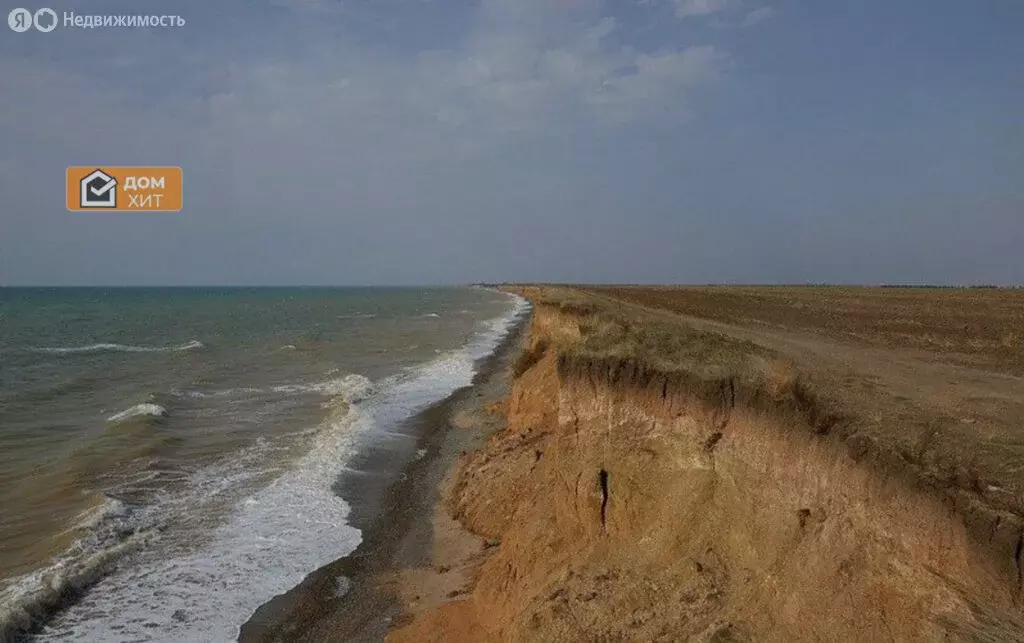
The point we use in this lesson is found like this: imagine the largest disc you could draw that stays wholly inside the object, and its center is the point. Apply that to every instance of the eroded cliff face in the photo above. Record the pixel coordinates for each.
(630, 503)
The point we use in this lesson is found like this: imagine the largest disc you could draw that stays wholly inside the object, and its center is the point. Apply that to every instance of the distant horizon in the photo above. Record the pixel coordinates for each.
(389, 142)
(516, 283)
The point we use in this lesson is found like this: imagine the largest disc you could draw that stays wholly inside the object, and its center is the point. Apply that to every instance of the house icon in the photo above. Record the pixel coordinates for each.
(98, 190)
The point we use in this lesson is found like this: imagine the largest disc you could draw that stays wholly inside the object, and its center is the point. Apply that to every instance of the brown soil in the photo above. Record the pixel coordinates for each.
(981, 327)
(742, 464)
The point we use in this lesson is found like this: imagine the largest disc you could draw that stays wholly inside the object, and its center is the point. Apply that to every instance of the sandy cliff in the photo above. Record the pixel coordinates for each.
(718, 497)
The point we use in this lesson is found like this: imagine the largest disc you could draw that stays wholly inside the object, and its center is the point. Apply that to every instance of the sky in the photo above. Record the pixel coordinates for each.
(379, 142)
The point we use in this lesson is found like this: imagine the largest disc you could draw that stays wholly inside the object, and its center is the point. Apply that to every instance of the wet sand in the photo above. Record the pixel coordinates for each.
(395, 488)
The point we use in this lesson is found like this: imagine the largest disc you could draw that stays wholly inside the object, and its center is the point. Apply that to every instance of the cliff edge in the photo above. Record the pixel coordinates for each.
(662, 477)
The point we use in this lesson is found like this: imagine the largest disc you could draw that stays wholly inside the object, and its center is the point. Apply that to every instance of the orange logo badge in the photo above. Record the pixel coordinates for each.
(124, 189)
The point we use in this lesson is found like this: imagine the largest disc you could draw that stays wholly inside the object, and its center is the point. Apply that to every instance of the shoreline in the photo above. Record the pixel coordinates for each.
(392, 486)
(658, 477)
(622, 471)
(228, 477)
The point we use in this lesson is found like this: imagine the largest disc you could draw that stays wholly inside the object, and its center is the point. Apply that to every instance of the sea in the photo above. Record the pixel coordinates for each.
(168, 456)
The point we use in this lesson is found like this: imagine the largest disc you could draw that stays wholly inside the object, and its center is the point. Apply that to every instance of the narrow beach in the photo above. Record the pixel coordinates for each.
(405, 528)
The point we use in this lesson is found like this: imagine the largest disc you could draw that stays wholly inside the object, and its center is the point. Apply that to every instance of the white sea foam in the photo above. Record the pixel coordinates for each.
(119, 348)
(94, 517)
(111, 530)
(341, 586)
(351, 387)
(139, 410)
(230, 392)
(267, 545)
(276, 535)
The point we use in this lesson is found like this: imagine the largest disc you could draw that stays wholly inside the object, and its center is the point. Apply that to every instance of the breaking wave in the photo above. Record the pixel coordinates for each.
(118, 348)
(272, 539)
(352, 388)
(139, 410)
(231, 392)
(112, 529)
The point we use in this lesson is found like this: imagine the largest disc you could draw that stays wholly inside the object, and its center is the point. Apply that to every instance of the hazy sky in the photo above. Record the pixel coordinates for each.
(427, 141)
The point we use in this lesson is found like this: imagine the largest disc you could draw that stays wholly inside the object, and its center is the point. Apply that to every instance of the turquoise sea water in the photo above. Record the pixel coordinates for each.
(166, 455)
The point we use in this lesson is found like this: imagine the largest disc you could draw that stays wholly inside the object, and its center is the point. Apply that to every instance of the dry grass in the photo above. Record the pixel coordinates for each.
(608, 330)
(980, 326)
(954, 429)
(923, 418)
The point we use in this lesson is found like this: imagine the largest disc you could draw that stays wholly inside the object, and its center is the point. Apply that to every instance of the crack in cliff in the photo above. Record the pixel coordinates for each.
(768, 444)
(709, 444)
(603, 479)
(1017, 555)
(728, 404)
(994, 528)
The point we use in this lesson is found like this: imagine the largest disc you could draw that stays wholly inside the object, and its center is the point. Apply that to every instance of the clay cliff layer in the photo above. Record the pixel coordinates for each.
(660, 485)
